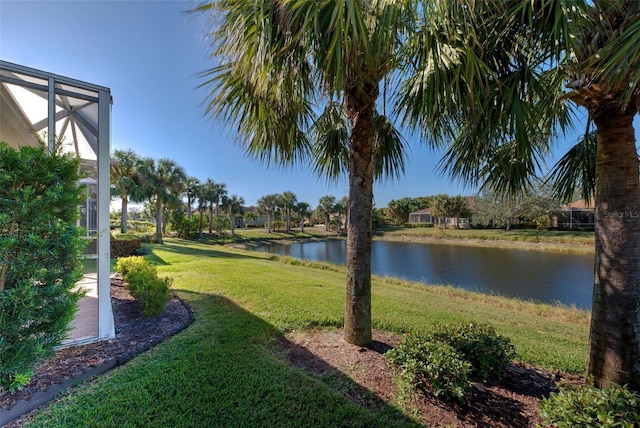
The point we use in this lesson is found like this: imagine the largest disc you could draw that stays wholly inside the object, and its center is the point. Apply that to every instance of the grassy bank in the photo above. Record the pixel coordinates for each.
(222, 370)
(529, 239)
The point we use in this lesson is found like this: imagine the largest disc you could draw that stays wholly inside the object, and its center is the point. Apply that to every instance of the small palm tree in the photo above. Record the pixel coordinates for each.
(125, 181)
(201, 195)
(163, 182)
(191, 192)
(268, 205)
(326, 207)
(233, 205)
(303, 209)
(288, 202)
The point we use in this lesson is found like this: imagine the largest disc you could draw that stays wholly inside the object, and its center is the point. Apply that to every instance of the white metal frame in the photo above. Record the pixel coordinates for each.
(10, 74)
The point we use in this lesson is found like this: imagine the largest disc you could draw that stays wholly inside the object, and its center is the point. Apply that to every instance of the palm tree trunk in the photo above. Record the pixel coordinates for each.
(357, 317)
(201, 225)
(159, 220)
(233, 224)
(211, 220)
(614, 341)
(123, 214)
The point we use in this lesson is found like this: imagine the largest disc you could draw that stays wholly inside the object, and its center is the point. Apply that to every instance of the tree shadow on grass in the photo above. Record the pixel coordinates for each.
(333, 400)
(176, 248)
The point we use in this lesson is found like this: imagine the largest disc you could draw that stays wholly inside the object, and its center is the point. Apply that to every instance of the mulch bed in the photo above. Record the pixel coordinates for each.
(134, 334)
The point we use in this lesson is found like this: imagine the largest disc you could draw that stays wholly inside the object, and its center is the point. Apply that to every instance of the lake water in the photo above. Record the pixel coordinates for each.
(542, 276)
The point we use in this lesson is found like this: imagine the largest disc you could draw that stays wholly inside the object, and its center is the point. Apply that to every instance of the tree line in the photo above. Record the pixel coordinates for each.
(191, 206)
(486, 209)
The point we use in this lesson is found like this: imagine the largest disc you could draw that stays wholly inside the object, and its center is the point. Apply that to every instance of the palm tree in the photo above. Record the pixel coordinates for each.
(251, 216)
(326, 206)
(288, 202)
(268, 204)
(500, 80)
(216, 192)
(278, 60)
(201, 195)
(341, 208)
(303, 209)
(125, 181)
(233, 205)
(191, 192)
(163, 183)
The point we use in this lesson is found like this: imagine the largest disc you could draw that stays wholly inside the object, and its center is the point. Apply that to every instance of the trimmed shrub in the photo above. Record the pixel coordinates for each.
(40, 251)
(588, 406)
(125, 247)
(432, 366)
(443, 361)
(489, 353)
(144, 284)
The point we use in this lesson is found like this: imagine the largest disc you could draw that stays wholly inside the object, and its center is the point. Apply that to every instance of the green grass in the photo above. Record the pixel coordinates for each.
(222, 370)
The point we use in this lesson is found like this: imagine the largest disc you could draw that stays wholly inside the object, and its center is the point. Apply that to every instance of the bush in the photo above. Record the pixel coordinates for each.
(587, 406)
(489, 353)
(144, 284)
(40, 250)
(432, 366)
(443, 361)
(125, 247)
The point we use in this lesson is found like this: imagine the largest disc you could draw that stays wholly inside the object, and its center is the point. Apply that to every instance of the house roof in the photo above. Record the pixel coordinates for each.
(580, 204)
(422, 211)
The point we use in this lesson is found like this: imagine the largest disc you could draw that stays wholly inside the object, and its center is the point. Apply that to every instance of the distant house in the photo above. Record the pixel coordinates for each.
(243, 221)
(422, 216)
(576, 214)
(425, 216)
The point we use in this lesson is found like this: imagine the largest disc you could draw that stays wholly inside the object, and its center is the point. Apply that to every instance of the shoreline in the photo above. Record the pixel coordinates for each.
(471, 241)
(557, 247)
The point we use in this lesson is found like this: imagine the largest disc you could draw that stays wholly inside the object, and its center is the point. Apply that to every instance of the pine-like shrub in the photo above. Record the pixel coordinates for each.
(40, 250)
(479, 344)
(443, 361)
(588, 406)
(433, 367)
(144, 284)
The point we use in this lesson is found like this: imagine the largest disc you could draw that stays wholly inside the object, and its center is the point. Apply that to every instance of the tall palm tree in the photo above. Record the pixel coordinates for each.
(326, 207)
(233, 205)
(288, 202)
(341, 208)
(501, 79)
(279, 59)
(191, 192)
(303, 209)
(216, 192)
(268, 205)
(201, 195)
(125, 181)
(163, 182)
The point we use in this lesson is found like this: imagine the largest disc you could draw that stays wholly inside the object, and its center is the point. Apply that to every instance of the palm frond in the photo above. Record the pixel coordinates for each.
(576, 170)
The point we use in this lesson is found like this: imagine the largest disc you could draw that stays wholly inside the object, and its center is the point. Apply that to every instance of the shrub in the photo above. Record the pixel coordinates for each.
(443, 361)
(479, 344)
(587, 406)
(40, 250)
(125, 247)
(432, 366)
(144, 284)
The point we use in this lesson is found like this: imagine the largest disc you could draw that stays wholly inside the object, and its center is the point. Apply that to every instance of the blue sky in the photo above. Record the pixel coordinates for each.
(149, 53)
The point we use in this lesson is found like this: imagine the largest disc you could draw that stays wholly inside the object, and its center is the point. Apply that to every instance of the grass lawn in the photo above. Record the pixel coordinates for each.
(222, 371)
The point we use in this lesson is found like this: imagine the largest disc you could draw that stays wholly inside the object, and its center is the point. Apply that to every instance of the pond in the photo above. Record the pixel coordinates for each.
(541, 276)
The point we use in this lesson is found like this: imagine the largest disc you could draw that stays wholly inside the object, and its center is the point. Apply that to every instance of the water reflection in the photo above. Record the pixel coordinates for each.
(542, 276)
